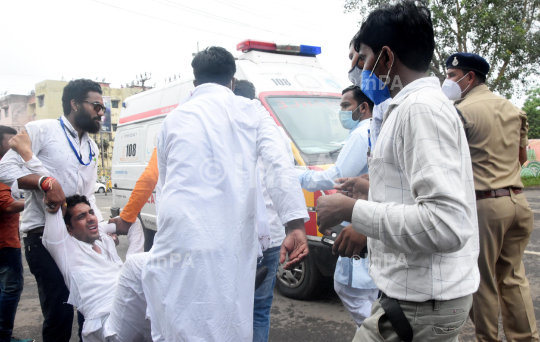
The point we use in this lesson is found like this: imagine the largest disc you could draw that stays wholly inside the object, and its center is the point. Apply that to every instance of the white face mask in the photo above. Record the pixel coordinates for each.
(355, 76)
(452, 90)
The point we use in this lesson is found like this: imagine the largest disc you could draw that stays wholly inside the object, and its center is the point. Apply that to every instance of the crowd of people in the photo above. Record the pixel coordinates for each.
(428, 179)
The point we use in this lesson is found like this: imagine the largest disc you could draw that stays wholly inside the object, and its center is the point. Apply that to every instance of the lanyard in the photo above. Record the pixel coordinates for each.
(73, 147)
(369, 142)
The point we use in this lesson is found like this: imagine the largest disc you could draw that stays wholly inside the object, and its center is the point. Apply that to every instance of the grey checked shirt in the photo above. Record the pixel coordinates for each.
(421, 215)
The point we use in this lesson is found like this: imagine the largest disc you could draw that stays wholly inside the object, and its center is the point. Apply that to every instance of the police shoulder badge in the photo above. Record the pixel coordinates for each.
(455, 61)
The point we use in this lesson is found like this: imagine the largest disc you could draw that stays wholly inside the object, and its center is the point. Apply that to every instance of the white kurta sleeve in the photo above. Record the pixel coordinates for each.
(281, 181)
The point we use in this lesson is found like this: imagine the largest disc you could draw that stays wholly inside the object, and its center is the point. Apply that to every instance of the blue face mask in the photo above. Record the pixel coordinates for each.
(373, 87)
(345, 116)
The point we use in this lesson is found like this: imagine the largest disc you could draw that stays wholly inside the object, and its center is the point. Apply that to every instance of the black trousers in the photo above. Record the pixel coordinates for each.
(53, 292)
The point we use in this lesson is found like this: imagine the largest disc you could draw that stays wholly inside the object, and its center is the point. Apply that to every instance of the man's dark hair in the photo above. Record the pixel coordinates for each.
(78, 90)
(6, 130)
(404, 27)
(359, 96)
(214, 65)
(71, 202)
(481, 78)
(244, 88)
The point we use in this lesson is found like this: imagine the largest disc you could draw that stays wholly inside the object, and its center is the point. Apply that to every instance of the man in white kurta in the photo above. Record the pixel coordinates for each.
(105, 290)
(207, 155)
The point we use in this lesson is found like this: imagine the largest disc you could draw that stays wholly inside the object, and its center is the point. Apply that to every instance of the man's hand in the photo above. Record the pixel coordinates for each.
(332, 210)
(122, 227)
(295, 244)
(357, 187)
(22, 145)
(54, 198)
(349, 242)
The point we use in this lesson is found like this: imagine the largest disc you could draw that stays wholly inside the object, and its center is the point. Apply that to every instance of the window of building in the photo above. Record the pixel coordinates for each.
(6, 111)
(114, 103)
(114, 127)
(41, 100)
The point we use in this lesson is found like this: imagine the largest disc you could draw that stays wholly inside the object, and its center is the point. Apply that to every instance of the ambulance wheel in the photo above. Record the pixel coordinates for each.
(302, 282)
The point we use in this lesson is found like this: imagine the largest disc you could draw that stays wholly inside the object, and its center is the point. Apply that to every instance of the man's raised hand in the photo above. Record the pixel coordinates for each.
(22, 144)
(54, 198)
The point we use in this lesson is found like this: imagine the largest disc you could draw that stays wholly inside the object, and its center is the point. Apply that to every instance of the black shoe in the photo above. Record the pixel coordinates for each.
(260, 276)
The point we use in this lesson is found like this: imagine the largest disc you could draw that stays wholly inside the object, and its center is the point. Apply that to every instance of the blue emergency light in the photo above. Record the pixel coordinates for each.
(248, 45)
(310, 50)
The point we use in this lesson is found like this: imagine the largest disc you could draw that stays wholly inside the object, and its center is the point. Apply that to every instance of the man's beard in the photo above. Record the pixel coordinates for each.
(84, 121)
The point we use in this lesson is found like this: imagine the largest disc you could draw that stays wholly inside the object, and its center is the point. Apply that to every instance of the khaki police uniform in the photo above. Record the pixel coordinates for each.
(495, 130)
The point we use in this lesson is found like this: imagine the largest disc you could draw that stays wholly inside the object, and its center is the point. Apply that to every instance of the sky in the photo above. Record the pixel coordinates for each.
(116, 40)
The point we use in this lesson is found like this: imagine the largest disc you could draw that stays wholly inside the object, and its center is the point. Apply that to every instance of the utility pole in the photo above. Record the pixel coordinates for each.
(143, 79)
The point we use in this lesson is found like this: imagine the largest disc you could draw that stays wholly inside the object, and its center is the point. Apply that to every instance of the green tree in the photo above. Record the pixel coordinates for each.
(505, 32)
(532, 108)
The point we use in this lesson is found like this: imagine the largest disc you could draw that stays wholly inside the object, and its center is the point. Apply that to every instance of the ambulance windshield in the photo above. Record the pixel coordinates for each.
(312, 122)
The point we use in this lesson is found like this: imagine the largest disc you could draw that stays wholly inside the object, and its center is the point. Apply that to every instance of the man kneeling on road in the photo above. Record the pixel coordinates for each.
(107, 292)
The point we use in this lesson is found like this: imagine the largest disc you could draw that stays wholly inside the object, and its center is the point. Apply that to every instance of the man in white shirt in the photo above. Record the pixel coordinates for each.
(420, 218)
(105, 290)
(69, 155)
(351, 278)
(208, 195)
(264, 294)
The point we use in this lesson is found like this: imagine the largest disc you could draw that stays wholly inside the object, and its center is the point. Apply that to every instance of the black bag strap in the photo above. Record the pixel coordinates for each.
(397, 318)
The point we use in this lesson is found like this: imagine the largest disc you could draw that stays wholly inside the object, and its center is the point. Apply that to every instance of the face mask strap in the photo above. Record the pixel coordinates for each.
(468, 85)
(361, 116)
(393, 60)
(376, 62)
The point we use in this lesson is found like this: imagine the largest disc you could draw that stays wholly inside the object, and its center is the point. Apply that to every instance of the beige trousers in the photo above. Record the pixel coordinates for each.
(431, 321)
(505, 225)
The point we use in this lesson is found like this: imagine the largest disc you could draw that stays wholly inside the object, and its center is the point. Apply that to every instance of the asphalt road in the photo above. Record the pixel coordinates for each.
(321, 319)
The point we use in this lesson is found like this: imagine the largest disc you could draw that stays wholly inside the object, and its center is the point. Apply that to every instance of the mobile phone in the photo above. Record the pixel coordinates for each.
(329, 240)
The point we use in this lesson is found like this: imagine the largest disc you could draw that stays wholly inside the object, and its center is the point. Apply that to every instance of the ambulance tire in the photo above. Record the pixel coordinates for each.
(304, 287)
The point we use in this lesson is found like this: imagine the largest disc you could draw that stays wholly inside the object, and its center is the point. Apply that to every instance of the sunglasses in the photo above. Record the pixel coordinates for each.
(97, 106)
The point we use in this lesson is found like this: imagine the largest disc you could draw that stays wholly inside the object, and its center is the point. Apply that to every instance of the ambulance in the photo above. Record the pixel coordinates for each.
(302, 98)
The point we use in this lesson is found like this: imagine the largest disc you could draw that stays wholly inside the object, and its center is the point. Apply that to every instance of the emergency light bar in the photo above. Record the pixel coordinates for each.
(248, 45)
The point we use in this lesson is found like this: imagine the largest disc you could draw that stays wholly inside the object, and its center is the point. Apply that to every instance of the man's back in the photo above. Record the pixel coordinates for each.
(497, 130)
(207, 194)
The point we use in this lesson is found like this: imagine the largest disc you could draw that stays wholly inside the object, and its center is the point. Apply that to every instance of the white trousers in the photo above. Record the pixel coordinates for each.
(357, 301)
(127, 320)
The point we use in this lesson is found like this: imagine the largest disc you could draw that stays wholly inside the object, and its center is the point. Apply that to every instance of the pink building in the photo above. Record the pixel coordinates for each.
(14, 110)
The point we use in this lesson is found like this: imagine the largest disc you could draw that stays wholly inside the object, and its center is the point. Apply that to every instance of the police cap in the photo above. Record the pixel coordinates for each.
(469, 61)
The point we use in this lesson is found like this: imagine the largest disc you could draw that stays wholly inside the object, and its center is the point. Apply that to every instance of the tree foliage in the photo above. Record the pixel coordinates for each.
(505, 32)
(532, 108)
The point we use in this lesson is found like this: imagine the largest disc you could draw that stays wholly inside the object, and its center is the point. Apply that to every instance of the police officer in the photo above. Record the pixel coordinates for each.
(497, 135)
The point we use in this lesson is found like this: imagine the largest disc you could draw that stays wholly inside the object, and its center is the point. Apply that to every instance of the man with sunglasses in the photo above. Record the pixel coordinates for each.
(70, 157)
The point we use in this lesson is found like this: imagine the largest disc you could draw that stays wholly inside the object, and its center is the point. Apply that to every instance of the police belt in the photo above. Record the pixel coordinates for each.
(497, 193)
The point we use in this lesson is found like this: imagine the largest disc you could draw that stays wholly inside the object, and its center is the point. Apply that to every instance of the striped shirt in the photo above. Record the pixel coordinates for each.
(420, 218)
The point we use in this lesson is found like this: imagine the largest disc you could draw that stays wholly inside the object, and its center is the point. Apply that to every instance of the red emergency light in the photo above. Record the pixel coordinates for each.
(249, 44)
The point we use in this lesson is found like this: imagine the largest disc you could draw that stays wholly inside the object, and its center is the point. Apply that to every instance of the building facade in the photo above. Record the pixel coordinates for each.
(14, 110)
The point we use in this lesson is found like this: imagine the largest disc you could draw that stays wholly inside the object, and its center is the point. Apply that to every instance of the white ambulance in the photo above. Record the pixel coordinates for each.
(299, 94)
